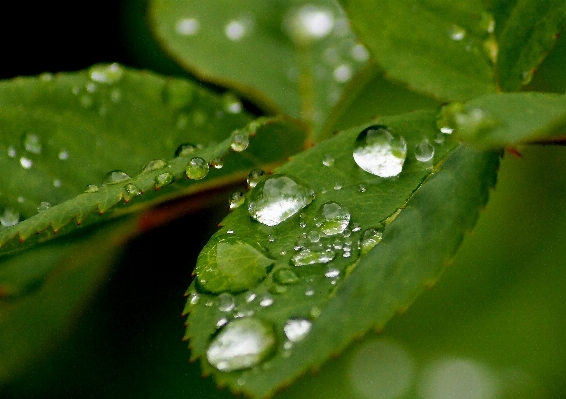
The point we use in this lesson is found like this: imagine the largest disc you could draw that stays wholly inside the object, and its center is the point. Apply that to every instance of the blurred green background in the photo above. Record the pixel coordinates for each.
(492, 327)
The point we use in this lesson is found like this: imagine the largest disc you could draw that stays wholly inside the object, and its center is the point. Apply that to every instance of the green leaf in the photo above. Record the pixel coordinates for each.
(501, 120)
(340, 283)
(60, 134)
(525, 31)
(290, 56)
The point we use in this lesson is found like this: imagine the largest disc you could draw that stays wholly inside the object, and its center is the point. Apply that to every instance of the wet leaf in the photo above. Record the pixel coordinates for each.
(293, 56)
(345, 260)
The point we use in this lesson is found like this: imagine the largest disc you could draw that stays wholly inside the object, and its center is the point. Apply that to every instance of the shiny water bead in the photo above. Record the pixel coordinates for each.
(308, 23)
(236, 199)
(43, 206)
(12, 151)
(197, 168)
(310, 256)
(132, 191)
(379, 152)
(424, 151)
(254, 177)
(457, 33)
(277, 198)
(217, 163)
(185, 149)
(332, 273)
(297, 329)
(226, 302)
(328, 160)
(92, 188)
(63, 155)
(115, 177)
(156, 164)
(10, 217)
(239, 142)
(32, 143)
(187, 26)
(266, 301)
(163, 179)
(334, 217)
(108, 74)
(370, 238)
(241, 344)
(232, 104)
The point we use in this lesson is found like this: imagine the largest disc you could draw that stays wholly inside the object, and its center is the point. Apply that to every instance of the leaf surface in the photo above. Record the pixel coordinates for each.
(292, 56)
(423, 214)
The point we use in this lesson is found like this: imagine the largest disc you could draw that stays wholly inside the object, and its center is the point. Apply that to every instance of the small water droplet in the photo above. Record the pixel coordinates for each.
(308, 23)
(163, 179)
(197, 168)
(232, 104)
(457, 33)
(221, 322)
(379, 152)
(266, 301)
(315, 312)
(370, 238)
(309, 292)
(115, 177)
(271, 238)
(108, 74)
(43, 206)
(10, 217)
(156, 164)
(63, 155)
(285, 277)
(235, 29)
(187, 26)
(92, 188)
(241, 344)
(337, 186)
(185, 149)
(226, 302)
(310, 256)
(32, 143)
(12, 151)
(277, 198)
(254, 177)
(362, 188)
(328, 160)
(250, 296)
(424, 151)
(194, 298)
(334, 217)
(131, 190)
(332, 272)
(217, 163)
(342, 73)
(360, 53)
(236, 199)
(239, 142)
(26, 163)
(439, 138)
(56, 183)
(314, 236)
(91, 87)
(297, 329)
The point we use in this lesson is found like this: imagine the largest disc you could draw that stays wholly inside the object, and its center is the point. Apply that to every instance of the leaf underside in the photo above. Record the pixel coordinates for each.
(425, 210)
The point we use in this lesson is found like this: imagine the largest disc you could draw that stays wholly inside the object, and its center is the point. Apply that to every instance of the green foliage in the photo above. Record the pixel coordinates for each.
(331, 245)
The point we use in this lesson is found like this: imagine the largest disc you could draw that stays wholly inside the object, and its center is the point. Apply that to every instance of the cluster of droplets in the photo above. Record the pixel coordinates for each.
(101, 90)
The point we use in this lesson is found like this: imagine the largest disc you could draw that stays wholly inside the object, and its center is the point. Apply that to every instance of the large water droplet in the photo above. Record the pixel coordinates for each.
(309, 256)
(185, 149)
(308, 23)
(379, 152)
(424, 151)
(226, 302)
(334, 218)
(231, 264)
(297, 329)
(26, 163)
(32, 143)
(156, 164)
(370, 238)
(236, 199)
(178, 93)
(115, 177)
(239, 142)
(242, 344)
(254, 177)
(109, 74)
(10, 217)
(197, 168)
(277, 198)
(163, 179)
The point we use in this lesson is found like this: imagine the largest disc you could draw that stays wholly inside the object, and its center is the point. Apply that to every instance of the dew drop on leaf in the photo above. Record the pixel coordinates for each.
(187, 26)
(254, 177)
(91, 188)
(277, 198)
(334, 217)
(226, 302)
(32, 143)
(285, 277)
(328, 160)
(115, 177)
(217, 163)
(457, 33)
(239, 142)
(250, 296)
(43, 206)
(12, 151)
(370, 238)
(241, 344)
(266, 301)
(163, 179)
(132, 190)
(185, 149)
(332, 272)
(156, 164)
(309, 256)
(63, 155)
(26, 163)
(236, 199)
(424, 151)
(231, 264)
(108, 74)
(308, 23)
(297, 329)
(380, 153)
(10, 217)
(197, 168)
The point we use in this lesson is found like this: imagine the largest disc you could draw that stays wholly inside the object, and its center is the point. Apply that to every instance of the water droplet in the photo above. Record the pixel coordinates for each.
(92, 188)
(266, 301)
(231, 264)
(468, 121)
(185, 149)
(424, 151)
(277, 198)
(285, 276)
(91, 87)
(308, 23)
(217, 163)
(235, 30)
(242, 344)
(12, 151)
(108, 74)
(178, 93)
(334, 217)
(239, 142)
(370, 238)
(10, 217)
(271, 238)
(250, 296)
(232, 104)
(115, 177)
(32, 143)
(187, 26)
(156, 164)
(194, 298)
(379, 152)
(197, 168)
(439, 138)
(297, 329)
(43, 206)
(26, 163)
(226, 302)
(332, 272)
(56, 183)
(457, 33)
(236, 199)
(328, 160)
(46, 77)
(222, 322)
(63, 155)
(314, 236)
(309, 292)
(163, 179)
(362, 188)
(254, 177)
(310, 256)
(132, 190)
(342, 73)
(360, 53)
